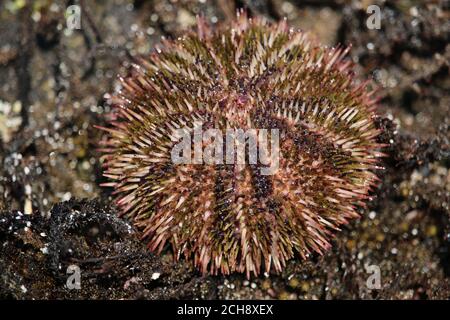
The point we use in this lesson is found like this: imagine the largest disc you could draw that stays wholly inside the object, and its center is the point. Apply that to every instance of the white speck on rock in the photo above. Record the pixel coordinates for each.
(28, 207)
(28, 189)
(156, 275)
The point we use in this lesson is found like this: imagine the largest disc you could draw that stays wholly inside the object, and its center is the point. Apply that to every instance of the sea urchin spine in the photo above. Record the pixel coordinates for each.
(250, 75)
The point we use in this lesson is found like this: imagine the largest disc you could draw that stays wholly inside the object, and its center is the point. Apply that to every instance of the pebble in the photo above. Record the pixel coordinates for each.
(156, 275)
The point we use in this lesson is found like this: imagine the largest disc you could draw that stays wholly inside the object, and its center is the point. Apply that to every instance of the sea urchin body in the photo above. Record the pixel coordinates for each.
(250, 75)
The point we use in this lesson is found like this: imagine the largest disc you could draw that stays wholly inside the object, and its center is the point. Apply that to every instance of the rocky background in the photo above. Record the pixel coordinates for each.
(53, 83)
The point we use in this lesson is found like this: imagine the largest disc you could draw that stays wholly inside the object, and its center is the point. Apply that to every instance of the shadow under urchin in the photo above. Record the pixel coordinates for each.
(252, 74)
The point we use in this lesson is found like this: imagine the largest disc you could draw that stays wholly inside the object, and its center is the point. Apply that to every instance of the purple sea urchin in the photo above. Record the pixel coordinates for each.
(251, 75)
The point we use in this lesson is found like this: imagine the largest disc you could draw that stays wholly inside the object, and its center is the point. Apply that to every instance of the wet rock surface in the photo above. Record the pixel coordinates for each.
(52, 86)
(40, 254)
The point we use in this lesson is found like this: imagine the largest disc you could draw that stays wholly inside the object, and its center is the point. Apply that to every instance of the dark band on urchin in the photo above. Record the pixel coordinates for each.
(251, 75)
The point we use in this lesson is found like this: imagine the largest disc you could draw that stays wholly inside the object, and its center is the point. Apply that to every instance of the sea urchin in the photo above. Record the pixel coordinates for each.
(226, 216)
